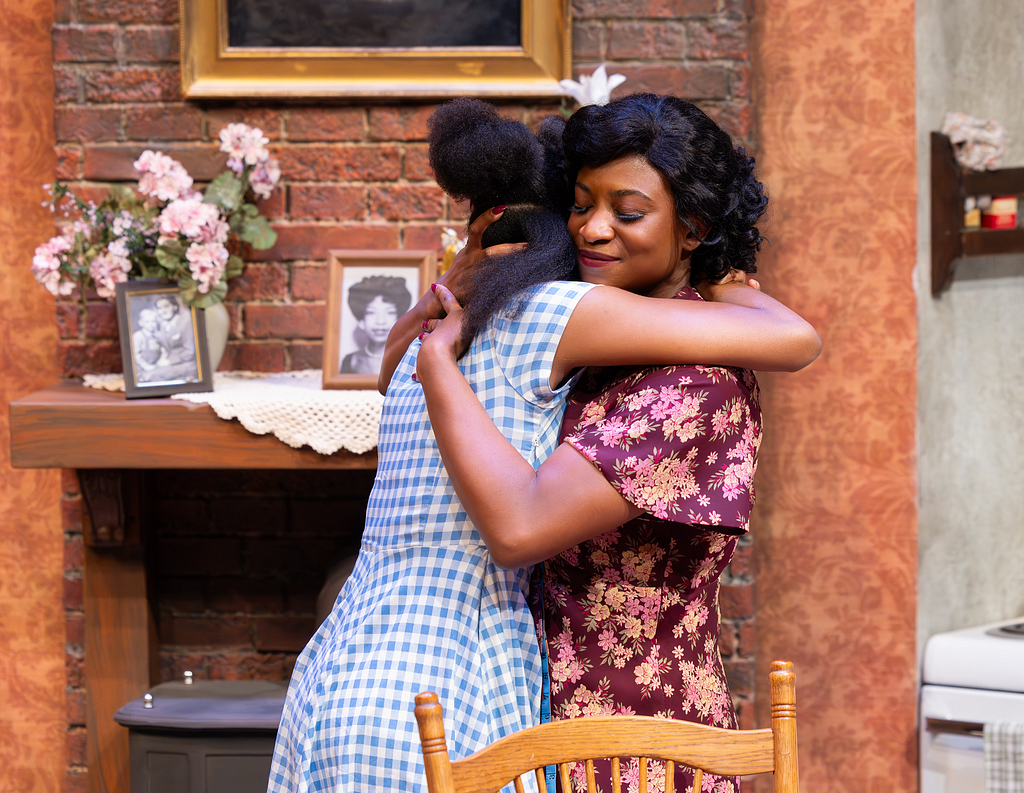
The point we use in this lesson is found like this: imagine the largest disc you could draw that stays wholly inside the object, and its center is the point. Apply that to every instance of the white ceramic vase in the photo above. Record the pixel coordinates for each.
(218, 323)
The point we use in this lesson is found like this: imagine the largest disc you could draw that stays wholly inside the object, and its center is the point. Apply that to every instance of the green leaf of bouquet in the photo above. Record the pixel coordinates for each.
(234, 267)
(225, 191)
(123, 195)
(257, 232)
(175, 247)
(188, 287)
(250, 210)
(168, 260)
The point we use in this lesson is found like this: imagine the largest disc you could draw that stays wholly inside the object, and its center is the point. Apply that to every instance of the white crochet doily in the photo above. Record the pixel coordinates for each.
(291, 405)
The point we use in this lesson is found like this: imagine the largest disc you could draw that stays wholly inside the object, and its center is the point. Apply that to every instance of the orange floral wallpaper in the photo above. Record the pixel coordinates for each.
(836, 527)
(32, 725)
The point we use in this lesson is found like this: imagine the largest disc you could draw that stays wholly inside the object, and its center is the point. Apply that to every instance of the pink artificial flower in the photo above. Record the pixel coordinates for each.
(107, 270)
(264, 177)
(191, 218)
(244, 145)
(162, 177)
(46, 265)
(207, 261)
(47, 255)
(215, 230)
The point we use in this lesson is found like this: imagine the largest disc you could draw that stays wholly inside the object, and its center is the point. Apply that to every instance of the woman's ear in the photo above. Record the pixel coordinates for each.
(689, 240)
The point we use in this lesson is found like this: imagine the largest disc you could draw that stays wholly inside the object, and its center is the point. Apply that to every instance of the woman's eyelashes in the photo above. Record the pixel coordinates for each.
(623, 216)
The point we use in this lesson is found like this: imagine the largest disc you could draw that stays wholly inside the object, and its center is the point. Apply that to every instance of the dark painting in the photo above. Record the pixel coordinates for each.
(370, 24)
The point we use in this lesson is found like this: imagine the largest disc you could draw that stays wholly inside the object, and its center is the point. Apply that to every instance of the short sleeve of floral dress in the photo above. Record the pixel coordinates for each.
(632, 617)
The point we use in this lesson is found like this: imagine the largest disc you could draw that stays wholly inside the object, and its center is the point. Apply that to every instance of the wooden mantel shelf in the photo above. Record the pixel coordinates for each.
(71, 426)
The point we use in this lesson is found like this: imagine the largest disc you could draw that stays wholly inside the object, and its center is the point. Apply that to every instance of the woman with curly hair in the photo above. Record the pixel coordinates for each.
(429, 607)
(638, 511)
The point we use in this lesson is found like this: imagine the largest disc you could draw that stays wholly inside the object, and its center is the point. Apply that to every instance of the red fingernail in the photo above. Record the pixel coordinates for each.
(498, 210)
(422, 336)
(433, 287)
(414, 377)
(425, 325)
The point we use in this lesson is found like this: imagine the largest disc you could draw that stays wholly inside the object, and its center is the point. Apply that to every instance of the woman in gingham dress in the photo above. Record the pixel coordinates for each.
(426, 607)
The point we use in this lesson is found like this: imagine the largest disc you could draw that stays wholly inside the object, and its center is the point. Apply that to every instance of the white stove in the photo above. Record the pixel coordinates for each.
(971, 677)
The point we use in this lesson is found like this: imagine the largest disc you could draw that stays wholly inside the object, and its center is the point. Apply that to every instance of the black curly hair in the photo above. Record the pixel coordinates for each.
(479, 155)
(712, 181)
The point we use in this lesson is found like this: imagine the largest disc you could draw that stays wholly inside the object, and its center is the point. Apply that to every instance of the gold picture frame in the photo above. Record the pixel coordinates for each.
(212, 68)
(348, 359)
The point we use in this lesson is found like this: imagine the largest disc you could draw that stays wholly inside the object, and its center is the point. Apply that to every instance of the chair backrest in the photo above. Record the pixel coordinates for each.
(703, 748)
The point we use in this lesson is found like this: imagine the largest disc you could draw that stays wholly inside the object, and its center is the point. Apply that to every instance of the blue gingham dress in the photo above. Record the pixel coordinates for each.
(425, 609)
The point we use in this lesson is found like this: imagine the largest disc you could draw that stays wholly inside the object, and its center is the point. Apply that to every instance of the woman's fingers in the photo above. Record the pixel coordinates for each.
(505, 249)
(478, 226)
(446, 298)
(734, 276)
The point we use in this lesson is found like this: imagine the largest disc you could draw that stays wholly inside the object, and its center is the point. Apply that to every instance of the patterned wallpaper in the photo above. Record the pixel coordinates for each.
(836, 536)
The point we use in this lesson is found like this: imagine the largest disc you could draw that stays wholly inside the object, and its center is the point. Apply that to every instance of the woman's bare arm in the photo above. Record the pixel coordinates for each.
(611, 327)
(523, 515)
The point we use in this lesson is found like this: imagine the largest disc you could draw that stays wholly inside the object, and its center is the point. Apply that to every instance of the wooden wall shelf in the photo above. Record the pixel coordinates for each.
(71, 426)
(951, 184)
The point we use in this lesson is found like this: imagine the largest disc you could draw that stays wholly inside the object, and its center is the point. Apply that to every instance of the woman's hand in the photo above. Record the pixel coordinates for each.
(459, 279)
(712, 290)
(441, 337)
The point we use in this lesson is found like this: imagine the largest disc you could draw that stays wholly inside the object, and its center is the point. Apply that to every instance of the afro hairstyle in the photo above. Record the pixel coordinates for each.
(477, 154)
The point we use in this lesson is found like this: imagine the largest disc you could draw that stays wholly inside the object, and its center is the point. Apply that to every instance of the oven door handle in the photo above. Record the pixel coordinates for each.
(954, 727)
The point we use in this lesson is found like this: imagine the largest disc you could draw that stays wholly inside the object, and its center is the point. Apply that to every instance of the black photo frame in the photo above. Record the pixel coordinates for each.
(163, 341)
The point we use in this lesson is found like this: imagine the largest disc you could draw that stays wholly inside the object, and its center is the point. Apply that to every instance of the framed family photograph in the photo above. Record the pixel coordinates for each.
(163, 341)
(374, 48)
(367, 292)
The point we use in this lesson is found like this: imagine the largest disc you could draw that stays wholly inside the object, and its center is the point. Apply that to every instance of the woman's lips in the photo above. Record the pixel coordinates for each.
(592, 259)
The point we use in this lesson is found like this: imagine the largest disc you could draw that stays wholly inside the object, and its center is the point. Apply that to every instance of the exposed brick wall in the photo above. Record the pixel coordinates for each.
(736, 640)
(240, 559)
(353, 176)
(74, 609)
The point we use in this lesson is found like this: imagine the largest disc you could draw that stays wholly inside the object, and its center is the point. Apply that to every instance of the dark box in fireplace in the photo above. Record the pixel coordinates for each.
(211, 736)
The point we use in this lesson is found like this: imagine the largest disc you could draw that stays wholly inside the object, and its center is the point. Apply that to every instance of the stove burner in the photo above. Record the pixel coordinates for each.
(1009, 631)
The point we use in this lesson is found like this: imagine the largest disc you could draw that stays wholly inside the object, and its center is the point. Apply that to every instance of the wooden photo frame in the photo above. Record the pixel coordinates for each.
(380, 285)
(427, 48)
(163, 341)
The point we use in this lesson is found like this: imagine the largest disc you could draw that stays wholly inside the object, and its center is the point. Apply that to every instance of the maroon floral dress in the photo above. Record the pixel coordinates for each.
(631, 617)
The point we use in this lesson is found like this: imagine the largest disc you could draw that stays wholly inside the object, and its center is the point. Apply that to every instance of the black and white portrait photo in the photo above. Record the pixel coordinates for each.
(162, 339)
(368, 291)
(372, 306)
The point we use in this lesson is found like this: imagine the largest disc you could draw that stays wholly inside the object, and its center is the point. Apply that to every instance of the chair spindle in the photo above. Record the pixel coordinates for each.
(519, 785)
(616, 776)
(643, 774)
(563, 776)
(698, 778)
(591, 781)
(670, 776)
(542, 781)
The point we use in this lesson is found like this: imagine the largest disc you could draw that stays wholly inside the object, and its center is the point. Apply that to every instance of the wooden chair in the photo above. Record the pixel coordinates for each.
(710, 749)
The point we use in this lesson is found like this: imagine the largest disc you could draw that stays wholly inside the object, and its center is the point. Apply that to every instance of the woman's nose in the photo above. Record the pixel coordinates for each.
(598, 228)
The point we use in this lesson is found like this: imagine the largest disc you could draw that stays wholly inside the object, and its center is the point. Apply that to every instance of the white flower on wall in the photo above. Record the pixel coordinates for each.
(593, 90)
